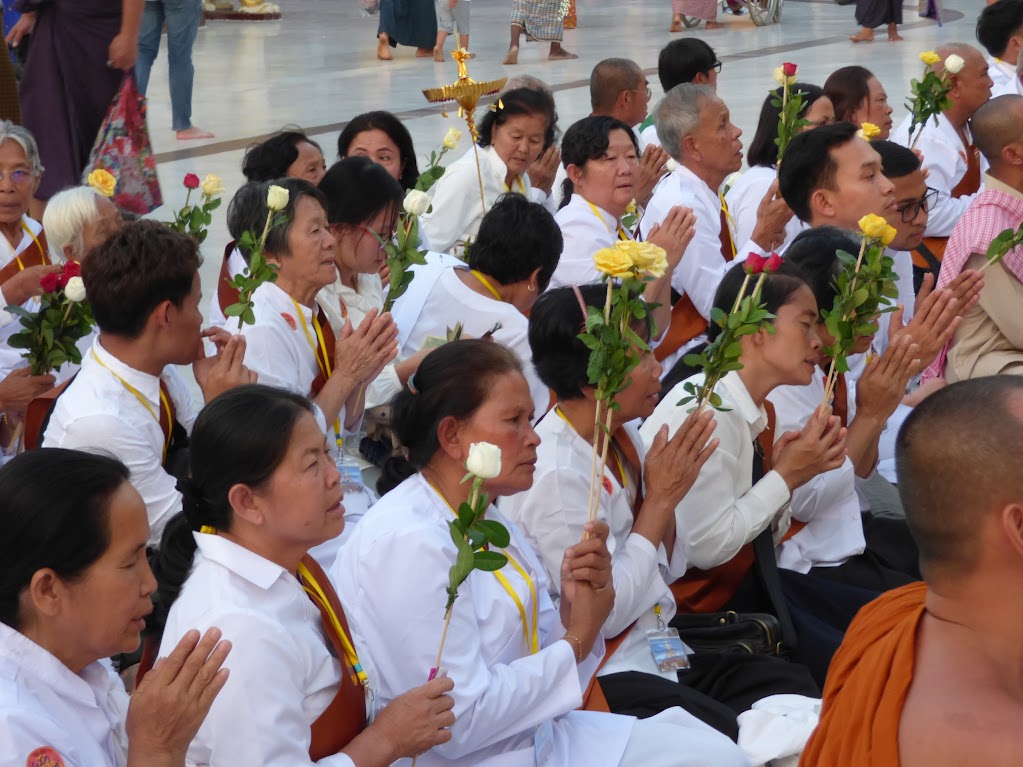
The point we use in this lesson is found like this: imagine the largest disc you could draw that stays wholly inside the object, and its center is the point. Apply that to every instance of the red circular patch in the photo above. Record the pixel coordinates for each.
(44, 757)
(290, 320)
(607, 486)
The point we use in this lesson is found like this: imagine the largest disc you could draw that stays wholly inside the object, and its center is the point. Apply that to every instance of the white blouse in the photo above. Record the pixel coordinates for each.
(283, 676)
(585, 230)
(44, 705)
(744, 198)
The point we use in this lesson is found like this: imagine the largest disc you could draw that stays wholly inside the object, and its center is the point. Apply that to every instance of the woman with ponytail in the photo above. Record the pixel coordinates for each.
(264, 490)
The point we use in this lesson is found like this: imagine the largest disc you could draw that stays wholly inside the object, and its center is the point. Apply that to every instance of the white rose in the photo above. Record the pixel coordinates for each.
(74, 291)
(212, 186)
(484, 460)
(670, 165)
(276, 198)
(417, 202)
(954, 64)
(451, 138)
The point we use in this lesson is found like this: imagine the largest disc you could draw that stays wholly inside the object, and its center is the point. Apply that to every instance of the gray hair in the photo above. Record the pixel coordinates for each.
(65, 218)
(23, 138)
(678, 115)
(527, 81)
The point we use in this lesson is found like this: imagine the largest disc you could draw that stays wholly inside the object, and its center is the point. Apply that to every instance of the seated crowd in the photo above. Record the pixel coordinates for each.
(260, 578)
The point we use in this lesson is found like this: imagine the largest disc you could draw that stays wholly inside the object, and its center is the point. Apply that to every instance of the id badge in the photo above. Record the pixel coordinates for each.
(543, 743)
(351, 475)
(667, 648)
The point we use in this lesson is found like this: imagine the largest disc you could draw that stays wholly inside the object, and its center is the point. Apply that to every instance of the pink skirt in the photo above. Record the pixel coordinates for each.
(697, 9)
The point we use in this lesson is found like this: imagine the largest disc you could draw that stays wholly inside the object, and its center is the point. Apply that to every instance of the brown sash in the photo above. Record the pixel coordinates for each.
(345, 717)
(226, 295)
(840, 406)
(593, 696)
(969, 184)
(725, 235)
(31, 256)
(705, 591)
(328, 341)
(37, 411)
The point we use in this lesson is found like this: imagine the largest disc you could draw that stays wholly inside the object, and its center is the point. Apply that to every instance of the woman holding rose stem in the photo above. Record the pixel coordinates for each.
(519, 665)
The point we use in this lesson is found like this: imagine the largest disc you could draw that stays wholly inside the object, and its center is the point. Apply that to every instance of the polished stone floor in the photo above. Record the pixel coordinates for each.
(317, 68)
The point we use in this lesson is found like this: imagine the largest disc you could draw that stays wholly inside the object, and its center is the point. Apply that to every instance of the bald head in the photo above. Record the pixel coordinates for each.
(959, 464)
(998, 124)
(965, 51)
(609, 78)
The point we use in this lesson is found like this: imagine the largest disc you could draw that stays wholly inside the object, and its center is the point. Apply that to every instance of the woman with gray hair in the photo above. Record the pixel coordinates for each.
(78, 219)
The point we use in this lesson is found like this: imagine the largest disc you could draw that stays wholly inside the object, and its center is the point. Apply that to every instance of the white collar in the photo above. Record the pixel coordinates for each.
(687, 178)
(755, 416)
(257, 570)
(7, 252)
(274, 295)
(584, 206)
(147, 384)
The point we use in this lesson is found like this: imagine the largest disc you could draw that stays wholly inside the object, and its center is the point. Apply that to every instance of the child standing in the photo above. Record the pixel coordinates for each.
(450, 13)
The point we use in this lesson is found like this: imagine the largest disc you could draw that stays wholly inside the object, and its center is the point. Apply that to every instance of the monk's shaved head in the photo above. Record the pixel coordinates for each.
(997, 124)
(609, 78)
(959, 461)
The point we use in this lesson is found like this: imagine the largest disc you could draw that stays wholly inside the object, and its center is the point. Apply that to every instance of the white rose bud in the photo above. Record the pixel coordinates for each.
(954, 64)
(484, 460)
(670, 165)
(276, 198)
(74, 291)
(417, 202)
(212, 186)
(451, 138)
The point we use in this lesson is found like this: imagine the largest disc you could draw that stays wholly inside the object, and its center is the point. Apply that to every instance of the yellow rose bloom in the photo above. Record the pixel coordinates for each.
(212, 186)
(929, 58)
(873, 226)
(646, 257)
(888, 235)
(868, 131)
(614, 261)
(103, 182)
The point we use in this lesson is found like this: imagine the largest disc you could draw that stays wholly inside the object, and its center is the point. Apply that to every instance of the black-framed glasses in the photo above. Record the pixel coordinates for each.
(911, 210)
(716, 66)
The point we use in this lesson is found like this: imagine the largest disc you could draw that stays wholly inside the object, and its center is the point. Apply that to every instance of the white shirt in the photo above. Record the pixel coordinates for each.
(502, 694)
(235, 265)
(828, 503)
(585, 230)
(945, 157)
(702, 267)
(551, 515)
(43, 704)
(457, 210)
(648, 137)
(1003, 76)
(7, 254)
(283, 676)
(98, 414)
(724, 510)
(409, 306)
(450, 302)
(744, 198)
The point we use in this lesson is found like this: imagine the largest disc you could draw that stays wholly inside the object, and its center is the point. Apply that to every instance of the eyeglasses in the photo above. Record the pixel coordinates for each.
(18, 177)
(716, 66)
(649, 93)
(911, 210)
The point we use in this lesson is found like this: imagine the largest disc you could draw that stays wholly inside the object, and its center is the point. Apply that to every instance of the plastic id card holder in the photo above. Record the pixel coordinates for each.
(667, 648)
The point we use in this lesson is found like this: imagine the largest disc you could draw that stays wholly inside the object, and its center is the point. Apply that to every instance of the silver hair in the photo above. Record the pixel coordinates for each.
(23, 138)
(527, 81)
(65, 218)
(678, 115)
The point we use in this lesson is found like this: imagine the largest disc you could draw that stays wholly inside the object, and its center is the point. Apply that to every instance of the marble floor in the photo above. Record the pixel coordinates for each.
(317, 67)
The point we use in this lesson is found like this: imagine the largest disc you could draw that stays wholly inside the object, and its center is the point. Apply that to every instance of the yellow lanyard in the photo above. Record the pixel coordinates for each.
(522, 187)
(486, 283)
(621, 232)
(315, 592)
(614, 452)
(729, 221)
(21, 266)
(319, 347)
(145, 404)
(532, 637)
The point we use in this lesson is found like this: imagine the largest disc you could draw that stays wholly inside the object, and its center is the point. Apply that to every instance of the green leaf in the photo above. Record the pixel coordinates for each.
(466, 515)
(496, 533)
(489, 561)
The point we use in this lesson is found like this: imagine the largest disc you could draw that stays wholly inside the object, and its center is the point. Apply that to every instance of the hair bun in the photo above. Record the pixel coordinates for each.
(194, 505)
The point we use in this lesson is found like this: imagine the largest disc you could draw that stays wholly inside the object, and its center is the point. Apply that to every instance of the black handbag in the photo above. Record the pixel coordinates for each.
(730, 633)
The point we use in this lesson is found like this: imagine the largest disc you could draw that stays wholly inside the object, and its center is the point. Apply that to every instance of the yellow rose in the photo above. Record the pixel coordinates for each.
(103, 182)
(888, 235)
(646, 257)
(868, 131)
(614, 262)
(873, 226)
(781, 78)
(212, 186)
(929, 58)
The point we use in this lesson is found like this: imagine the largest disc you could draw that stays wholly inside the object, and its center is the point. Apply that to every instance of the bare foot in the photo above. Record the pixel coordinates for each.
(863, 36)
(438, 55)
(676, 25)
(895, 37)
(472, 56)
(424, 53)
(193, 133)
(559, 54)
(714, 25)
(383, 49)
(513, 55)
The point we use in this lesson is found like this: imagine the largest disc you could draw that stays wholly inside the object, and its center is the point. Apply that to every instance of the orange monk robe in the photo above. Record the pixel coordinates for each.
(867, 685)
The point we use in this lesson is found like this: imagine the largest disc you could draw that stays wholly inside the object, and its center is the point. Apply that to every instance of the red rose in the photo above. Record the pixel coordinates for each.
(773, 263)
(72, 269)
(789, 69)
(192, 181)
(754, 264)
(50, 282)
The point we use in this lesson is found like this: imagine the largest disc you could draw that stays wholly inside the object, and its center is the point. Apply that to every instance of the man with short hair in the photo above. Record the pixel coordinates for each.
(128, 400)
(949, 154)
(927, 675)
(913, 200)
(1000, 31)
(689, 60)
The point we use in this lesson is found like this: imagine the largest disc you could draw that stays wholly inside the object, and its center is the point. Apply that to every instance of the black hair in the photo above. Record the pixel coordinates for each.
(814, 252)
(271, 159)
(515, 238)
(763, 150)
(897, 161)
(588, 140)
(240, 438)
(520, 101)
(395, 130)
(997, 23)
(248, 211)
(54, 510)
(680, 61)
(809, 166)
(139, 267)
(848, 88)
(452, 381)
(356, 189)
(243, 212)
(777, 289)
